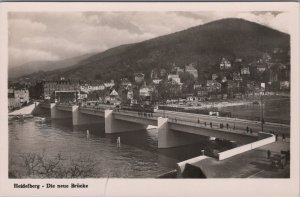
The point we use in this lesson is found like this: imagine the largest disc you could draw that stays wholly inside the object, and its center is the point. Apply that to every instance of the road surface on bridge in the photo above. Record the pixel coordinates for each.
(240, 124)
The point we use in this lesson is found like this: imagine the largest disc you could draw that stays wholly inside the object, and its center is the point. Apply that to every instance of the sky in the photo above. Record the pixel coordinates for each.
(40, 36)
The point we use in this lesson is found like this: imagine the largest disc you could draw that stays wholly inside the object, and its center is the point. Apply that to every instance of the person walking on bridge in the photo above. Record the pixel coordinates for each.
(210, 124)
(227, 125)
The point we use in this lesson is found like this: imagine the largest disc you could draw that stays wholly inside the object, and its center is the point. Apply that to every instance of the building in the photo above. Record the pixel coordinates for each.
(67, 96)
(179, 70)
(245, 71)
(192, 70)
(197, 85)
(202, 93)
(174, 78)
(213, 86)
(156, 81)
(62, 85)
(233, 86)
(125, 83)
(109, 84)
(261, 68)
(284, 85)
(145, 91)
(130, 94)
(139, 77)
(154, 74)
(237, 77)
(225, 64)
(238, 60)
(113, 97)
(214, 76)
(163, 72)
(17, 97)
(91, 86)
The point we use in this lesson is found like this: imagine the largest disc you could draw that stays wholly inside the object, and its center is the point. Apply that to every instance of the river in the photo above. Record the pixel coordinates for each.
(138, 156)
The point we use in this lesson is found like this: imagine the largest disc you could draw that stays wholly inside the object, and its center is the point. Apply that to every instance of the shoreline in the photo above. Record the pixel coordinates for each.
(229, 103)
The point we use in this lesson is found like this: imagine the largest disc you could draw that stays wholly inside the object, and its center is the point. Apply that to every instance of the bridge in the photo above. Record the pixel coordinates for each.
(174, 128)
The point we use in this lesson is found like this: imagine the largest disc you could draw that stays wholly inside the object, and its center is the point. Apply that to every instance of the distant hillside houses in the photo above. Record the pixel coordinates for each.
(109, 84)
(174, 78)
(139, 77)
(284, 85)
(192, 70)
(214, 76)
(213, 86)
(125, 83)
(225, 64)
(237, 76)
(179, 71)
(245, 70)
(261, 67)
(156, 81)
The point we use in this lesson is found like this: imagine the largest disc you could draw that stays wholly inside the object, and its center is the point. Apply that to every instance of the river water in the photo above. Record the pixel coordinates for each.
(137, 157)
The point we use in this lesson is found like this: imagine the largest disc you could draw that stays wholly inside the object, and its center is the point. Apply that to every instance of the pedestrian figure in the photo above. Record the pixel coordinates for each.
(251, 131)
(205, 123)
(233, 126)
(119, 142)
(283, 137)
(87, 133)
(247, 129)
(276, 137)
(210, 125)
(220, 126)
(198, 121)
(269, 154)
(227, 126)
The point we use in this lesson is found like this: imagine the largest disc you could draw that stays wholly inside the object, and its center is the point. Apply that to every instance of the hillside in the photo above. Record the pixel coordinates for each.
(43, 66)
(204, 44)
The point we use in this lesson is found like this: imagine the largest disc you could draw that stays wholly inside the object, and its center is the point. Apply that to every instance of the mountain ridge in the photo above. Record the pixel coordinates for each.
(204, 44)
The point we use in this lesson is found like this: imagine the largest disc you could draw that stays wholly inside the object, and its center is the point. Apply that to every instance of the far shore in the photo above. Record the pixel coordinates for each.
(229, 102)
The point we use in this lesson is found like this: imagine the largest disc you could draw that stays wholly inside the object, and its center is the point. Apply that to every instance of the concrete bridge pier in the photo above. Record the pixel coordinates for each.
(168, 138)
(80, 118)
(113, 125)
(59, 114)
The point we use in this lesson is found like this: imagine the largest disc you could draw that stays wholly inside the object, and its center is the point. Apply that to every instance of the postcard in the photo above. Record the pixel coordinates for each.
(149, 99)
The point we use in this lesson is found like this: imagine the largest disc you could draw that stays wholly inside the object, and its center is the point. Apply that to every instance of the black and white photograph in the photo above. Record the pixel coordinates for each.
(156, 95)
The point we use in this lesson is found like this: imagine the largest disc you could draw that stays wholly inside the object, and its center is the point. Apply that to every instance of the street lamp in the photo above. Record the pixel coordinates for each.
(262, 112)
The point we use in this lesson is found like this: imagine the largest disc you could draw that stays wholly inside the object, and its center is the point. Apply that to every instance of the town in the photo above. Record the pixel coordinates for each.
(180, 85)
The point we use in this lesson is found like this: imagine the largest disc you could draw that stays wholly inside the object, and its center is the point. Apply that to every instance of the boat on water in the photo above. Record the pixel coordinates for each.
(19, 117)
(40, 119)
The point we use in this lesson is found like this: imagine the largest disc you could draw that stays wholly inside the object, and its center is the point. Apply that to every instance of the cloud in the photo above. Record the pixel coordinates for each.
(20, 56)
(58, 35)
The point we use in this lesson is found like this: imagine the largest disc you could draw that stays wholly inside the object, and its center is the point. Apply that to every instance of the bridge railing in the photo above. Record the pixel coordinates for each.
(211, 125)
(136, 114)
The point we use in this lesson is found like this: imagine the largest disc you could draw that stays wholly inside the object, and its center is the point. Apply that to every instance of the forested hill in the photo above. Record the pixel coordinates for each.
(204, 44)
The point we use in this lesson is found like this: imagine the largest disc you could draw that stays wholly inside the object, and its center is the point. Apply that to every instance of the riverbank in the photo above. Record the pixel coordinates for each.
(237, 102)
(24, 111)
